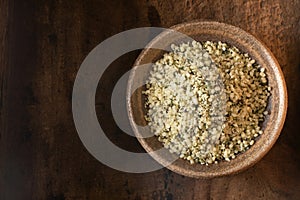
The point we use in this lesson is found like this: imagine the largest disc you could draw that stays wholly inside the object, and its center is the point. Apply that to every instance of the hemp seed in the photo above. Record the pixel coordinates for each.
(205, 101)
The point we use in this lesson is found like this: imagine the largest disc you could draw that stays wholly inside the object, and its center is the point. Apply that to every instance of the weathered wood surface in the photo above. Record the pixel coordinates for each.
(42, 44)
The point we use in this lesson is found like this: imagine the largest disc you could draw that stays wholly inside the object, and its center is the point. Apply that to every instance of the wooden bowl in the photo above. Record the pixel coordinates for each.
(277, 105)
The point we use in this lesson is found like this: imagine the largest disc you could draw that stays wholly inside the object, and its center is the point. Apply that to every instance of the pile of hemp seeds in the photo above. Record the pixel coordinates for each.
(205, 101)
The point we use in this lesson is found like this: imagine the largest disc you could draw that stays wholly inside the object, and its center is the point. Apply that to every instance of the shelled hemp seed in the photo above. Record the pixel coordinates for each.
(205, 101)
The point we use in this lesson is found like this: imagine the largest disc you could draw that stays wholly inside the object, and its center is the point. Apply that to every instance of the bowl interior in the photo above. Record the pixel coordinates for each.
(213, 31)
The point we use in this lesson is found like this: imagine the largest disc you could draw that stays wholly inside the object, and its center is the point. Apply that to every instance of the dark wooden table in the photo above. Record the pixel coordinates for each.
(42, 46)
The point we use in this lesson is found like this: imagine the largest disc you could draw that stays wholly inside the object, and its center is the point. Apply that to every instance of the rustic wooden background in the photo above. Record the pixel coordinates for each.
(42, 46)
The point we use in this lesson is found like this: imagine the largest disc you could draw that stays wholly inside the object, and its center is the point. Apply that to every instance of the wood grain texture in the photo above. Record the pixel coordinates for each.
(42, 46)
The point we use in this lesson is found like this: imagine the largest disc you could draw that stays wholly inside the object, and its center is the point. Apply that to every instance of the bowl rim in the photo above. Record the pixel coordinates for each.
(280, 117)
